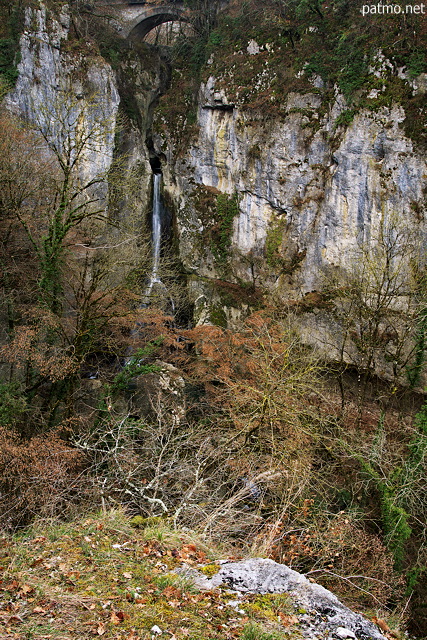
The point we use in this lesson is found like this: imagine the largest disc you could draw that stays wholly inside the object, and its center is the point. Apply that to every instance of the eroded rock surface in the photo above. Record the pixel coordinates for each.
(160, 395)
(320, 614)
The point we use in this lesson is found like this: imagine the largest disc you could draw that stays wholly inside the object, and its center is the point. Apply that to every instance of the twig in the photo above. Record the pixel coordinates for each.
(347, 579)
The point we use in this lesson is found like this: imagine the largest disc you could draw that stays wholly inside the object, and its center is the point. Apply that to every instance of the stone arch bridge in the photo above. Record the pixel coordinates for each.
(137, 18)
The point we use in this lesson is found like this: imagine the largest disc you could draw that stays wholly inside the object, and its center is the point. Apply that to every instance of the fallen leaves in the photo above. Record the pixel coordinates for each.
(40, 610)
(188, 552)
(384, 627)
(117, 617)
(25, 590)
(171, 591)
(101, 629)
(103, 584)
(287, 620)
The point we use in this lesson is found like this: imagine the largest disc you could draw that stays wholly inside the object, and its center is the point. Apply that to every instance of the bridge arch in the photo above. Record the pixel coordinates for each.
(152, 17)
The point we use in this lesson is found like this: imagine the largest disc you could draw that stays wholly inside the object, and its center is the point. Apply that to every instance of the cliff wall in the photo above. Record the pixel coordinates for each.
(277, 189)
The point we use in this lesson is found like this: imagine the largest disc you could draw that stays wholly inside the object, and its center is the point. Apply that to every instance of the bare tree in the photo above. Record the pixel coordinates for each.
(376, 304)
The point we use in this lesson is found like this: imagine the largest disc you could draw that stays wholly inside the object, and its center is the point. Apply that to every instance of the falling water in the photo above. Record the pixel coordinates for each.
(156, 235)
(156, 238)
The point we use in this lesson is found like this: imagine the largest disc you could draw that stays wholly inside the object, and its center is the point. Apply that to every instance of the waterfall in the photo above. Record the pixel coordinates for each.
(156, 233)
(156, 239)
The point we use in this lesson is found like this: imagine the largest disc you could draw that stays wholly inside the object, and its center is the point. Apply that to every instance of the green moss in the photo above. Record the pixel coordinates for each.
(227, 208)
(210, 570)
(217, 316)
(138, 522)
(269, 606)
(272, 243)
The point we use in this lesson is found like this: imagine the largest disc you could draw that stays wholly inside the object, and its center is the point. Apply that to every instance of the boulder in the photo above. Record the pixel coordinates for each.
(320, 613)
(160, 395)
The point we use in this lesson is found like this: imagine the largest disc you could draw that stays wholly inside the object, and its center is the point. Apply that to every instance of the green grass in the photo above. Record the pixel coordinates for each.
(253, 631)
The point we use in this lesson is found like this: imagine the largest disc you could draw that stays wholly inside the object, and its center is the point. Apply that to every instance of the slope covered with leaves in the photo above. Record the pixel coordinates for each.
(101, 577)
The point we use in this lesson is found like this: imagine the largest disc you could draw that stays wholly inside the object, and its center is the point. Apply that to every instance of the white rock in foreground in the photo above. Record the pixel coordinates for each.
(323, 613)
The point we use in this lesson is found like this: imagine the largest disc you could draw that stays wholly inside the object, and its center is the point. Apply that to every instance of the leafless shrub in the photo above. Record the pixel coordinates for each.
(40, 477)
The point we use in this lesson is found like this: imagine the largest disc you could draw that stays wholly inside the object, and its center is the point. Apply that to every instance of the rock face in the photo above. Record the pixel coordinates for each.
(160, 395)
(318, 185)
(320, 614)
(50, 77)
(54, 73)
(308, 187)
(314, 188)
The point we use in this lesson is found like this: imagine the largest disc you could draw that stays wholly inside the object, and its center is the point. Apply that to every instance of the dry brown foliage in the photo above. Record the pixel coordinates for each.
(40, 477)
(32, 346)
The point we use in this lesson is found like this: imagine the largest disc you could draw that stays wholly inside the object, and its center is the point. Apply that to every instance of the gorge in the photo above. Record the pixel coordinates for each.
(280, 305)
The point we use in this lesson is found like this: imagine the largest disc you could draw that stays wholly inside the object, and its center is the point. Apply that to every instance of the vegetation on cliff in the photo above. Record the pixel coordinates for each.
(296, 44)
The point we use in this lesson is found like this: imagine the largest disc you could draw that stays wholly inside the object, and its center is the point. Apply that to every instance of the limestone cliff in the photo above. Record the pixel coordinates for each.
(49, 72)
(317, 184)
(58, 66)
(324, 187)
(272, 195)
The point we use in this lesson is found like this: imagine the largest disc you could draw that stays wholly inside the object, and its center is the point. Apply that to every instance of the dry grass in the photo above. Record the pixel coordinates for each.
(99, 577)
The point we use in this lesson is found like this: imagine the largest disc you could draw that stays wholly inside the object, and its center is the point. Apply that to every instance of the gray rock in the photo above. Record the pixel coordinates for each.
(160, 395)
(50, 80)
(341, 632)
(319, 188)
(323, 613)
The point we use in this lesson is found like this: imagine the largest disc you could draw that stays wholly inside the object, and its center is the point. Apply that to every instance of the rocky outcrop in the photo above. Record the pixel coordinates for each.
(50, 78)
(316, 186)
(309, 188)
(318, 612)
(160, 395)
(57, 70)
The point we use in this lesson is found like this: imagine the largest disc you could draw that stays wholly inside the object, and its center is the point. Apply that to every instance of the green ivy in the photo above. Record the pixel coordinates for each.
(395, 523)
(135, 366)
(418, 445)
(394, 516)
(227, 208)
(414, 372)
